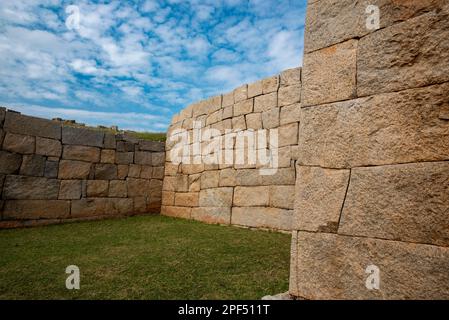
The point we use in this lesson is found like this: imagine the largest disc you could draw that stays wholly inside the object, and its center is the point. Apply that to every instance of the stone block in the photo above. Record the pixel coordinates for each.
(243, 107)
(69, 169)
(158, 173)
(135, 171)
(289, 95)
(408, 202)
(33, 165)
(125, 146)
(36, 209)
(248, 177)
(158, 159)
(106, 171)
(241, 93)
(291, 77)
(70, 190)
(290, 114)
(125, 157)
(118, 189)
(265, 102)
(19, 143)
(17, 123)
(138, 187)
(155, 146)
(344, 275)
(107, 156)
(194, 182)
(168, 198)
(228, 177)
(145, 173)
(239, 123)
(143, 158)
(169, 183)
(270, 118)
(93, 207)
(9, 162)
(284, 157)
(411, 54)
(281, 176)
(270, 85)
(254, 121)
(399, 127)
(210, 179)
(255, 89)
(251, 196)
(288, 135)
(320, 194)
(51, 169)
(81, 153)
(282, 197)
(218, 215)
(176, 212)
(30, 188)
(48, 147)
(122, 171)
(330, 74)
(109, 141)
(216, 197)
(228, 112)
(214, 117)
(186, 199)
(82, 136)
(171, 169)
(97, 188)
(2, 116)
(228, 99)
(258, 217)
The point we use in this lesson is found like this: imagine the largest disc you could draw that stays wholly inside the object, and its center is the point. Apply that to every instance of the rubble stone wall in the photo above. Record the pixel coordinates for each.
(237, 193)
(373, 172)
(51, 173)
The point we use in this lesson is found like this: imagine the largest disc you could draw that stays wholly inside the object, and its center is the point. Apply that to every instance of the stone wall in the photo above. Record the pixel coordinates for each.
(51, 173)
(373, 172)
(237, 193)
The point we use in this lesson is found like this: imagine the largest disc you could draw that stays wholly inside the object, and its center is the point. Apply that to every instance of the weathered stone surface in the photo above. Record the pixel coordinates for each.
(228, 99)
(48, 147)
(270, 118)
(107, 156)
(169, 183)
(189, 199)
(241, 93)
(288, 135)
(158, 159)
(289, 95)
(168, 198)
(9, 162)
(122, 171)
(97, 188)
(19, 143)
(69, 169)
(36, 209)
(399, 127)
(216, 197)
(255, 89)
(239, 123)
(143, 158)
(227, 177)
(254, 121)
(155, 146)
(17, 123)
(218, 215)
(135, 171)
(140, 205)
(214, 117)
(290, 114)
(2, 116)
(284, 157)
(291, 77)
(270, 84)
(30, 188)
(320, 194)
(70, 190)
(138, 187)
(176, 212)
(194, 182)
(109, 141)
(282, 197)
(101, 207)
(344, 275)
(266, 102)
(125, 146)
(248, 177)
(105, 171)
(228, 112)
(51, 169)
(330, 74)
(272, 218)
(81, 153)
(251, 196)
(33, 165)
(81, 136)
(155, 186)
(118, 189)
(145, 173)
(407, 55)
(282, 176)
(124, 157)
(171, 169)
(243, 107)
(401, 202)
(158, 173)
(210, 179)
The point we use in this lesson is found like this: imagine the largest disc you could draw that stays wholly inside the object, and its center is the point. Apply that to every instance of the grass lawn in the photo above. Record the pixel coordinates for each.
(149, 257)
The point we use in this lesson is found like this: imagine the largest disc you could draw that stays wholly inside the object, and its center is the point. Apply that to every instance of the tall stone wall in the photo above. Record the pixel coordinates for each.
(51, 173)
(372, 183)
(236, 192)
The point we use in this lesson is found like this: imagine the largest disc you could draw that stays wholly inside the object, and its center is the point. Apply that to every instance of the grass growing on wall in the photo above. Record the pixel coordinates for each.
(150, 257)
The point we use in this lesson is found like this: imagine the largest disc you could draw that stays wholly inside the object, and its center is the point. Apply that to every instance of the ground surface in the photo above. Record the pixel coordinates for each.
(149, 257)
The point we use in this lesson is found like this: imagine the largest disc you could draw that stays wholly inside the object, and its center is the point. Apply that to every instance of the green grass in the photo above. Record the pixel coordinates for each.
(152, 136)
(150, 257)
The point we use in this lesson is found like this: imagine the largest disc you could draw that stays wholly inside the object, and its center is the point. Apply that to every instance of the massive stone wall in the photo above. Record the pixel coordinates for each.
(51, 173)
(373, 172)
(233, 192)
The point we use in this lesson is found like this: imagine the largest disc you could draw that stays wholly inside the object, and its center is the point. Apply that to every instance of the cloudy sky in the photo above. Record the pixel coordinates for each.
(136, 63)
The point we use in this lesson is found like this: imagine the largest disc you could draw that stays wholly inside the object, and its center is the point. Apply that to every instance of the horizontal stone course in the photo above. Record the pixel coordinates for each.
(26, 125)
(81, 136)
(30, 188)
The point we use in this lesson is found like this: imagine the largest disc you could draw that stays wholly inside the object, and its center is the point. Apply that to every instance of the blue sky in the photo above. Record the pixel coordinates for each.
(136, 63)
